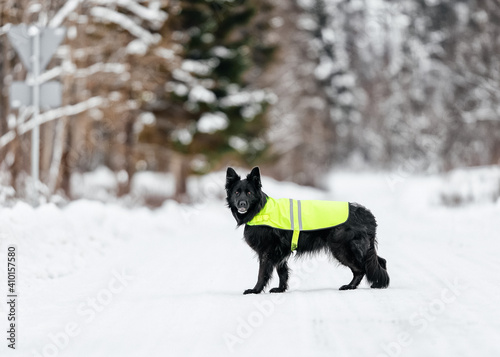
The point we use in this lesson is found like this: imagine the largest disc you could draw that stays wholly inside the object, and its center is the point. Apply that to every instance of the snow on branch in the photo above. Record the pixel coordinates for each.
(64, 111)
(7, 138)
(116, 68)
(68, 8)
(152, 15)
(52, 115)
(107, 15)
(4, 29)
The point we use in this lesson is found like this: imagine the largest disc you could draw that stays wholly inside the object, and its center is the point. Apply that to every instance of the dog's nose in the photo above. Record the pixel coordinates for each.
(242, 204)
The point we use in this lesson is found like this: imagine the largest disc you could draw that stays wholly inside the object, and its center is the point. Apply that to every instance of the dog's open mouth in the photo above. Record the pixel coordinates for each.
(242, 210)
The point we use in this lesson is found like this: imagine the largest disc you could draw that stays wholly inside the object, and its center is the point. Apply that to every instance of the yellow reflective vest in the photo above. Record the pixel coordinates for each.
(298, 215)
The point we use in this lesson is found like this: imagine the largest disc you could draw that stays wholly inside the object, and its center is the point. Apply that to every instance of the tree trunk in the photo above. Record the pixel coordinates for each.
(54, 174)
(48, 137)
(124, 187)
(17, 164)
(180, 168)
(65, 165)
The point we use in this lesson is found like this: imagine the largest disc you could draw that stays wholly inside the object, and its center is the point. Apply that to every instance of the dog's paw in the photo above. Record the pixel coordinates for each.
(250, 291)
(347, 287)
(277, 290)
(378, 286)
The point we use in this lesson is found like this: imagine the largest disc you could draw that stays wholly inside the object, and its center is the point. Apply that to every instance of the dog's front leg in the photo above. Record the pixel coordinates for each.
(283, 273)
(265, 272)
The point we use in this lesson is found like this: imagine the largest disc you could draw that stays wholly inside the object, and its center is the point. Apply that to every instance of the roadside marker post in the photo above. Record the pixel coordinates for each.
(35, 46)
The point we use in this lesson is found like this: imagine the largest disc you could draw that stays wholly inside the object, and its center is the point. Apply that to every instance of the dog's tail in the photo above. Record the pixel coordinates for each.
(376, 269)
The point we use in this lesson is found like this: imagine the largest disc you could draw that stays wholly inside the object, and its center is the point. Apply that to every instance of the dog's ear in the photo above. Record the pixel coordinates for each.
(254, 177)
(231, 178)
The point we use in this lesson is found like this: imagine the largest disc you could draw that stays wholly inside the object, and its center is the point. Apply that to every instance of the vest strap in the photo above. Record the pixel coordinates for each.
(296, 222)
(295, 239)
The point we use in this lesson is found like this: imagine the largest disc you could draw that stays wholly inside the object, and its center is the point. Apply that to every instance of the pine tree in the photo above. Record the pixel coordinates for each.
(209, 111)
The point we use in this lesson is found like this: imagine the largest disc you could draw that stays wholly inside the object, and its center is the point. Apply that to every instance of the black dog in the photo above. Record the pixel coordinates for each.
(352, 243)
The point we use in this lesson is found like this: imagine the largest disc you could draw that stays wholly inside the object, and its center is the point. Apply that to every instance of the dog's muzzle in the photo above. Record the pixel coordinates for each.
(242, 207)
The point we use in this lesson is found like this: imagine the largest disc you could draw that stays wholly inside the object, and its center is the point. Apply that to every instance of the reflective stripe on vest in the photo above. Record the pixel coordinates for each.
(297, 215)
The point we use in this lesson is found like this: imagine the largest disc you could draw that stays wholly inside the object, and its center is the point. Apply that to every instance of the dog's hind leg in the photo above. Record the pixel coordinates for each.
(283, 273)
(265, 272)
(376, 269)
(382, 262)
(351, 255)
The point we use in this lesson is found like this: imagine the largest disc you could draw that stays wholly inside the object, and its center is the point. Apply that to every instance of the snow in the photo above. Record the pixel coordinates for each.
(97, 279)
(249, 112)
(178, 88)
(117, 68)
(344, 80)
(152, 15)
(201, 94)
(34, 8)
(222, 52)
(246, 98)
(106, 15)
(165, 53)
(211, 122)
(148, 184)
(137, 47)
(147, 118)
(6, 193)
(277, 22)
(307, 23)
(183, 135)
(238, 143)
(472, 185)
(202, 68)
(324, 69)
(68, 8)
(100, 184)
(182, 76)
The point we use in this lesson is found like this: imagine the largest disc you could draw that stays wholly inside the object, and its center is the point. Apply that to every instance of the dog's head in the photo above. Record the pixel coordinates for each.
(244, 197)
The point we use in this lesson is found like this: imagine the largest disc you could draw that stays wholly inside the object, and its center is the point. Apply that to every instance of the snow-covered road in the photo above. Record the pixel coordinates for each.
(101, 280)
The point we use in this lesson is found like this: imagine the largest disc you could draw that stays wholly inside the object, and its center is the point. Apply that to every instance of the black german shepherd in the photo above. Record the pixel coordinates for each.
(351, 243)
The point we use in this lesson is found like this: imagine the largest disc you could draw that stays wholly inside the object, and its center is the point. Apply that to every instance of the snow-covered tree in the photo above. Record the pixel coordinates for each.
(412, 84)
(207, 112)
(103, 88)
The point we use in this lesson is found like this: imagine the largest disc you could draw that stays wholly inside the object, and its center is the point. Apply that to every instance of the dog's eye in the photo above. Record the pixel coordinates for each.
(237, 193)
(249, 193)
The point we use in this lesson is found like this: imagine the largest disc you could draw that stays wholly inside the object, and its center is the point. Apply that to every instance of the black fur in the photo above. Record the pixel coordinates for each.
(352, 243)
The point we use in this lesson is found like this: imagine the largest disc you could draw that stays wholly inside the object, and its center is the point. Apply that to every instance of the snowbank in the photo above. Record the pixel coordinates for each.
(101, 184)
(56, 242)
(471, 185)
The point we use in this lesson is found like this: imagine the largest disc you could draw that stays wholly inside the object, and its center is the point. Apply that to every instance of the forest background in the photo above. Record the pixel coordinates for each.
(294, 86)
